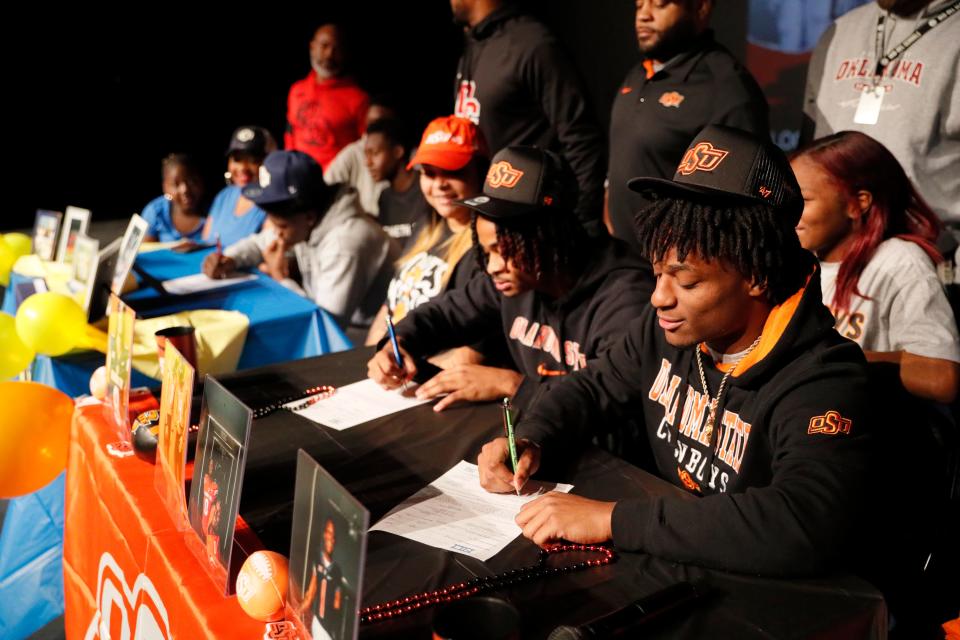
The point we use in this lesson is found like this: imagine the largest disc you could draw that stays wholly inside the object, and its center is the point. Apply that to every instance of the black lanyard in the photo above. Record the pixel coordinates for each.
(894, 53)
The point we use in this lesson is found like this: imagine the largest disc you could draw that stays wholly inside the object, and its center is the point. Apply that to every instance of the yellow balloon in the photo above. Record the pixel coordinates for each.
(14, 355)
(51, 323)
(21, 243)
(34, 436)
(7, 258)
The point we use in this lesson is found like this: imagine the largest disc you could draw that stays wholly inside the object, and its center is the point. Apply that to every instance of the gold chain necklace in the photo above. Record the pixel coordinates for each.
(715, 403)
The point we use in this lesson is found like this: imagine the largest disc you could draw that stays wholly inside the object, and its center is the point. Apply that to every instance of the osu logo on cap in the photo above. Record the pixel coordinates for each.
(502, 174)
(671, 99)
(701, 157)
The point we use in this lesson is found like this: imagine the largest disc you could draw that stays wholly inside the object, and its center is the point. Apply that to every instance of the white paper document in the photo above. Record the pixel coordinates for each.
(199, 282)
(455, 513)
(358, 403)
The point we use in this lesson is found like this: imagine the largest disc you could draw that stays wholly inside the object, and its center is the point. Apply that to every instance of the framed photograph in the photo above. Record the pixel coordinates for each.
(100, 292)
(328, 547)
(119, 366)
(86, 261)
(74, 225)
(176, 396)
(129, 246)
(46, 226)
(214, 503)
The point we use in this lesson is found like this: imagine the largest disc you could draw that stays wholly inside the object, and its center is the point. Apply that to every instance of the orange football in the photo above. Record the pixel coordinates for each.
(262, 586)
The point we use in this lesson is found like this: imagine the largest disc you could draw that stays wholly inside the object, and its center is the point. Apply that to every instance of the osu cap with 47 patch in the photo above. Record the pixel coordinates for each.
(524, 180)
(727, 164)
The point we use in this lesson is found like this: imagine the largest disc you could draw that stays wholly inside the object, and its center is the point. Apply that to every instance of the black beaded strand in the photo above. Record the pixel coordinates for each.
(393, 608)
(312, 395)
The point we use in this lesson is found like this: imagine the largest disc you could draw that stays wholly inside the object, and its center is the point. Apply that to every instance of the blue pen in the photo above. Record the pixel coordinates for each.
(393, 342)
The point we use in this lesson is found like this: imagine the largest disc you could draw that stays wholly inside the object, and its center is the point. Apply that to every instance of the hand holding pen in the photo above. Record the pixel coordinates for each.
(391, 366)
(511, 440)
(217, 265)
(499, 472)
(395, 345)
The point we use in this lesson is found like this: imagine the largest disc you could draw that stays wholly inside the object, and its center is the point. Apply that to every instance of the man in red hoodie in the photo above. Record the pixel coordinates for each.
(326, 110)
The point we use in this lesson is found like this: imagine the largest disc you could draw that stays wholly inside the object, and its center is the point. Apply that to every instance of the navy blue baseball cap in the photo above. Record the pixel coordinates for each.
(288, 181)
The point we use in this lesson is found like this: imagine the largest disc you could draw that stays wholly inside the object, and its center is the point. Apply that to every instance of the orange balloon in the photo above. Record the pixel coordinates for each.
(34, 436)
(262, 586)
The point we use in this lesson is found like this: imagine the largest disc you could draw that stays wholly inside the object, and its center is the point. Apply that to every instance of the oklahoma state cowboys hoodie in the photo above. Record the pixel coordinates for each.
(781, 485)
(546, 337)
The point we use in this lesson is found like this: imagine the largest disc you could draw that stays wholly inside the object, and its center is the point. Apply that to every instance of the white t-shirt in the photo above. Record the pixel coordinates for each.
(904, 309)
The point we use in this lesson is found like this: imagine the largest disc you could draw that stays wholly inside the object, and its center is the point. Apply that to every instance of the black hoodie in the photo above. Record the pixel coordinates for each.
(515, 82)
(546, 338)
(786, 476)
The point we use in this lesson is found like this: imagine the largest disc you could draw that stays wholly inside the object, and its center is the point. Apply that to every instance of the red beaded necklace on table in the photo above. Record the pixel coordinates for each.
(393, 608)
(312, 395)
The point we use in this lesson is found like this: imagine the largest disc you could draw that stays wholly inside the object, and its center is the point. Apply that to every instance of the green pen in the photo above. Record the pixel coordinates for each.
(511, 440)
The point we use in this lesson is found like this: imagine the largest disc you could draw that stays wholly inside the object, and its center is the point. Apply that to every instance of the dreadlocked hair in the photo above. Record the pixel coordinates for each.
(759, 242)
(544, 244)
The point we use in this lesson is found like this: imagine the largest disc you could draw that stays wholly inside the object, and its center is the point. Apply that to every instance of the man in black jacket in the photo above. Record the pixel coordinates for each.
(558, 298)
(750, 398)
(516, 83)
(685, 82)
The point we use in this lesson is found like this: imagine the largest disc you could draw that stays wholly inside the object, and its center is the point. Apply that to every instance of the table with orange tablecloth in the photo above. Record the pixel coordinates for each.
(126, 567)
(115, 524)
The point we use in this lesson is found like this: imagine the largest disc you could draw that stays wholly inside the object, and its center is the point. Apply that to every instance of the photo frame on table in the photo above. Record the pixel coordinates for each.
(129, 246)
(119, 367)
(46, 226)
(328, 548)
(176, 398)
(86, 261)
(214, 504)
(25, 289)
(100, 292)
(75, 224)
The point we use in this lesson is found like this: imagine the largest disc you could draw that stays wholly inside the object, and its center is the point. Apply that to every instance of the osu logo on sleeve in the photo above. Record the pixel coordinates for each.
(702, 157)
(830, 423)
(503, 175)
(671, 99)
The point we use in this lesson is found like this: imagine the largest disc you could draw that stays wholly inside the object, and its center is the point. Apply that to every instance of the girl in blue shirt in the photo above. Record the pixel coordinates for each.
(176, 214)
(233, 217)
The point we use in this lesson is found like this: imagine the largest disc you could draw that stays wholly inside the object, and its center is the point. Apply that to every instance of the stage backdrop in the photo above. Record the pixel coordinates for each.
(95, 106)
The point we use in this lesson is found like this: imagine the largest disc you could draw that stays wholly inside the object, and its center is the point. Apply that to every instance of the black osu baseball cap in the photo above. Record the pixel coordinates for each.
(524, 180)
(727, 164)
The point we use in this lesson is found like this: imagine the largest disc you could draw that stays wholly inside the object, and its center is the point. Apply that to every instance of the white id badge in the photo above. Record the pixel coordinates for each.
(868, 108)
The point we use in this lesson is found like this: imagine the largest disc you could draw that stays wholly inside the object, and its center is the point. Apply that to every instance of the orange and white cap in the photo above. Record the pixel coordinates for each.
(449, 143)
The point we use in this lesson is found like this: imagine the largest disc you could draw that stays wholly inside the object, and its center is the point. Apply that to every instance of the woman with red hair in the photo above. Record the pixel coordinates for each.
(874, 236)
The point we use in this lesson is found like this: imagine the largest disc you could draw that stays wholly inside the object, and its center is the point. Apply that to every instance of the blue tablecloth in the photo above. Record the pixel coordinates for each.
(283, 326)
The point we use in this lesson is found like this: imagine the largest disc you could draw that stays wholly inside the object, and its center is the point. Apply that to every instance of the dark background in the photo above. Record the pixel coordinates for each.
(95, 98)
